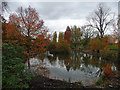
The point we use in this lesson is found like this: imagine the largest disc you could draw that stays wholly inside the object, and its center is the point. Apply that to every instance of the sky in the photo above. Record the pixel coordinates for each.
(58, 15)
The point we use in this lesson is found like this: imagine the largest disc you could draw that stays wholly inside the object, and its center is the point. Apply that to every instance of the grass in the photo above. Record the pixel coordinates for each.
(80, 82)
(100, 81)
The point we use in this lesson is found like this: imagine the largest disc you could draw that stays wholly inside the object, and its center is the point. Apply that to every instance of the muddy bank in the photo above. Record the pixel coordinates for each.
(44, 82)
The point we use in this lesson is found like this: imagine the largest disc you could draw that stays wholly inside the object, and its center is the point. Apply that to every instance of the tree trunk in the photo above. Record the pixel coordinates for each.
(28, 62)
(118, 59)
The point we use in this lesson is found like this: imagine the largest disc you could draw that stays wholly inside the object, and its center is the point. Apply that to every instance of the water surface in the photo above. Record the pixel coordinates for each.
(77, 67)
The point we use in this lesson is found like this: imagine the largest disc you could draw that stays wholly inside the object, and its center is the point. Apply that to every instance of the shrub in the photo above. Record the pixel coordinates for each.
(110, 55)
(13, 59)
(52, 47)
(63, 47)
(107, 71)
(96, 44)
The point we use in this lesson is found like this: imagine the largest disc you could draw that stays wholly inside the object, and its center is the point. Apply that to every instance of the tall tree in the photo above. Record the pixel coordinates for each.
(61, 36)
(28, 24)
(55, 37)
(101, 18)
(67, 34)
(76, 35)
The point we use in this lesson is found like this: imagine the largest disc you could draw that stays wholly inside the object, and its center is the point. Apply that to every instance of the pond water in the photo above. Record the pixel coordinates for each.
(77, 67)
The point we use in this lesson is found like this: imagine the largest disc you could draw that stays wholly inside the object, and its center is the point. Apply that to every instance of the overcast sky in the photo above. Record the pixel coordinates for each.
(58, 15)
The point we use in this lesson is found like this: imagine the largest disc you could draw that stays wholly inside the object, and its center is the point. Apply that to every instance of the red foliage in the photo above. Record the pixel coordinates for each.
(107, 71)
(40, 44)
(67, 34)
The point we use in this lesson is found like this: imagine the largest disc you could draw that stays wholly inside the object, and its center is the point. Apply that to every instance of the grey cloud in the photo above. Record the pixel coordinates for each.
(58, 10)
(55, 14)
(64, 10)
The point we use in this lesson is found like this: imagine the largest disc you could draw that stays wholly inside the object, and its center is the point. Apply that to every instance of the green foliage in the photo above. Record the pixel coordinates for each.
(80, 82)
(55, 37)
(85, 41)
(13, 59)
(63, 47)
(52, 47)
(76, 35)
(100, 81)
(61, 36)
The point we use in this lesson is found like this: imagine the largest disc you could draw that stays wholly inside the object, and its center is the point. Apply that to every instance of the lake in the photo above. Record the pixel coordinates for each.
(76, 67)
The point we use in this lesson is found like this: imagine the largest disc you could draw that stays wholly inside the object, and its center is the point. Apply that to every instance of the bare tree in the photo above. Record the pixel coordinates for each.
(88, 31)
(4, 8)
(101, 18)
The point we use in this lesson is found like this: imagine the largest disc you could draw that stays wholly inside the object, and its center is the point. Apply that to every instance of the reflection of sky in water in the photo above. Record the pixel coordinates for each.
(57, 69)
(84, 74)
(73, 75)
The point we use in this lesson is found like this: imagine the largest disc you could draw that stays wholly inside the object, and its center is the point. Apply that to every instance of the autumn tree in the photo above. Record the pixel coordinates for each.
(76, 36)
(12, 34)
(28, 24)
(4, 32)
(55, 37)
(96, 44)
(61, 36)
(101, 18)
(67, 34)
(39, 44)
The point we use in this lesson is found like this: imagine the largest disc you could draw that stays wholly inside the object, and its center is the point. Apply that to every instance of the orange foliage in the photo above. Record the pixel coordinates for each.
(40, 44)
(24, 27)
(96, 44)
(12, 33)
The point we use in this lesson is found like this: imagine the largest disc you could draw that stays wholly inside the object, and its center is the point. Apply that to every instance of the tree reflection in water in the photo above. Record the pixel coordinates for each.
(77, 66)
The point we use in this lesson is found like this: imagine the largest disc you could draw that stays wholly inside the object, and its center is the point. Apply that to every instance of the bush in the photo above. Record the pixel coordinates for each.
(107, 71)
(96, 44)
(61, 47)
(110, 55)
(52, 47)
(13, 75)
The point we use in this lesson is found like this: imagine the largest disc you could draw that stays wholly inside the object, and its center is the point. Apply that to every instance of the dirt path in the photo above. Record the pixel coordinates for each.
(44, 82)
